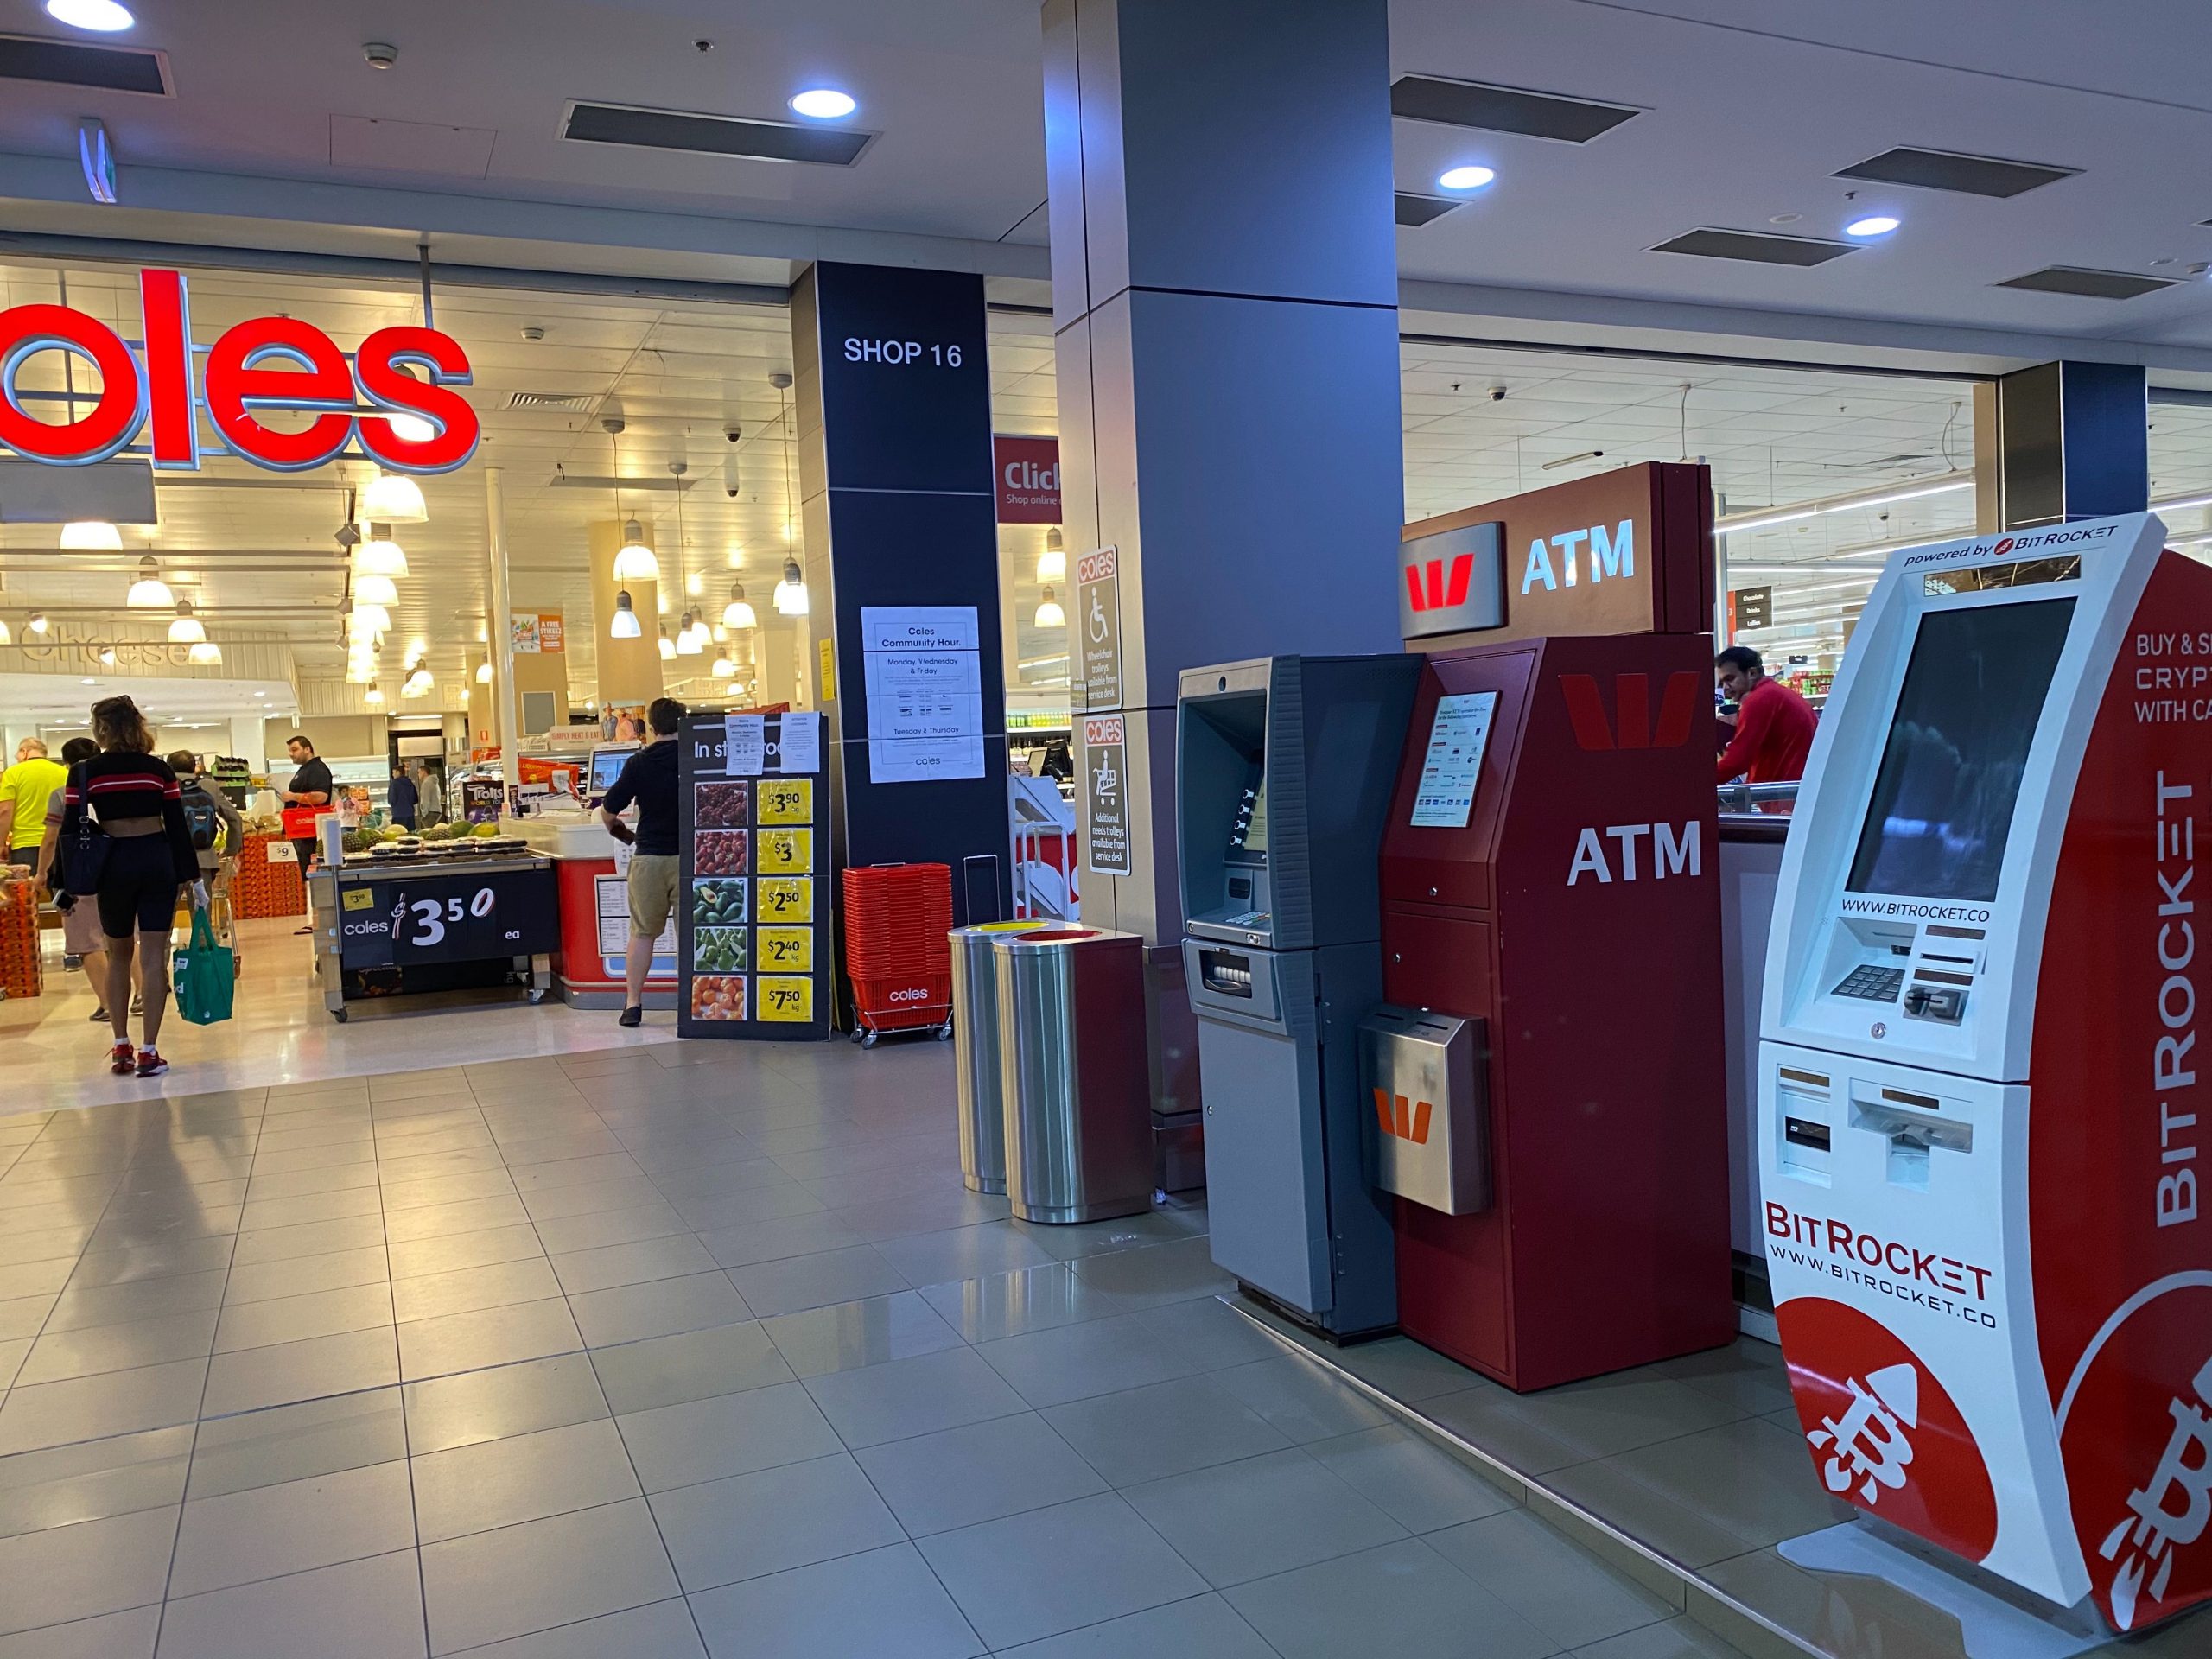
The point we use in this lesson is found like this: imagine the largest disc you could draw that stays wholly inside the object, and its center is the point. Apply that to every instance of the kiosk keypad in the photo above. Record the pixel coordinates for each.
(1873, 984)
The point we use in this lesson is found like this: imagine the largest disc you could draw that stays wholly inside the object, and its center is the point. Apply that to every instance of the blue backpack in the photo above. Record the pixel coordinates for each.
(200, 816)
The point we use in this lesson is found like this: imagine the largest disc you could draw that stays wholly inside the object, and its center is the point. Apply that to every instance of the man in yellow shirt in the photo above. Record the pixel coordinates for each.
(24, 788)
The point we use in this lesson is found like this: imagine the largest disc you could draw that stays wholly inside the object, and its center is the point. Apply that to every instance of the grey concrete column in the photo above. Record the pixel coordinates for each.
(1224, 292)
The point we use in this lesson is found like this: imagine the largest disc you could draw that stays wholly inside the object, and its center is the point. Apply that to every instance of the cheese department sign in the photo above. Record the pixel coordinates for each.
(156, 387)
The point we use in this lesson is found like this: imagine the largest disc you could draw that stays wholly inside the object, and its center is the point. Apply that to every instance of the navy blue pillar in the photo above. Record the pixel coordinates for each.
(2071, 441)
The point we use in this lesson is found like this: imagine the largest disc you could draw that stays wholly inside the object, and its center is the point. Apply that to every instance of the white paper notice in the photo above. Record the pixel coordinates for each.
(798, 745)
(744, 745)
(611, 893)
(1456, 738)
(924, 680)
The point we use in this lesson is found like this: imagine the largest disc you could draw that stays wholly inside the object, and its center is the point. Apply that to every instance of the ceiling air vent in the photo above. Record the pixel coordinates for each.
(714, 135)
(66, 63)
(549, 400)
(2089, 284)
(1419, 210)
(1504, 109)
(1759, 247)
(1972, 175)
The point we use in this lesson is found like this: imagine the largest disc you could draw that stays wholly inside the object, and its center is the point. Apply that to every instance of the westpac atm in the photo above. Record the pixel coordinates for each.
(1549, 875)
(1283, 771)
(1983, 1103)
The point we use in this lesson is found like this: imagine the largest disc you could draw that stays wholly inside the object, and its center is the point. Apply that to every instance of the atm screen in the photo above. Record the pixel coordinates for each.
(1950, 774)
(1248, 836)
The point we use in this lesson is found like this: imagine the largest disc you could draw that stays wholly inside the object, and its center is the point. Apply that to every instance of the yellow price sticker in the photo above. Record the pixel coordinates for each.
(786, 800)
(361, 898)
(784, 949)
(782, 851)
(790, 1000)
(783, 898)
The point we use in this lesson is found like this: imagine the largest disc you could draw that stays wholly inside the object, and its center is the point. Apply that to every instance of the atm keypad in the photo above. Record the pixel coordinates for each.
(1874, 984)
(1246, 919)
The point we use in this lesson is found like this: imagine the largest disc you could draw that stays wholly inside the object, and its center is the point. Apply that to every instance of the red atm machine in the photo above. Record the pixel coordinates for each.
(1550, 870)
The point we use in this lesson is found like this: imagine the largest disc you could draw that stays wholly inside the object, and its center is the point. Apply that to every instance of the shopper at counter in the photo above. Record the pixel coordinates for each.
(310, 787)
(24, 789)
(1774, 725)
(403, 798)
(81, 923)
(430, 795)
(648, 777)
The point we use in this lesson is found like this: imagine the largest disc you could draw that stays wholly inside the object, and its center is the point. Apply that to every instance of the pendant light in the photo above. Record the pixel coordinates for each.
(373, 697)
(205, 654)
(723, 668)
(667, 646)
(380, 555)
(394, 497)
(370, 618)
(624, 624)
(1049, 614)
(149, 592)
(633, 560)
(375, 590)
(91, 535)
(738, 613)
(484, 672)
(38, 624)
(1053, 562)
(187, 629)
(690, 638)
(6, 638)
(790, 592)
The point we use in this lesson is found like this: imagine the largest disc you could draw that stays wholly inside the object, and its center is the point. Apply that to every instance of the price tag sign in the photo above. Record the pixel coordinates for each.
(438, 918)
(783, 898)
(786, 800)
(784, 949)
(786, 1000)
(780, 852)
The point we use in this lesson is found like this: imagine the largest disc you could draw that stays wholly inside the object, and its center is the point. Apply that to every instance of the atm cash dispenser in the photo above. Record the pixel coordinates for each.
(1983, 1104)
(1550, 874)
(1283, 770)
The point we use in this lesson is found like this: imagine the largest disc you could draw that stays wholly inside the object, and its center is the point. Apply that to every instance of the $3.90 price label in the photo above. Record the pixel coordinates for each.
(790, 1000)
(783, 899)
(783, 800)
(784, 950)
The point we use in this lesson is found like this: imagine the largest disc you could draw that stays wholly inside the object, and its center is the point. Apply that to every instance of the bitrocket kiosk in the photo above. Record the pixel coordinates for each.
(1983, 1101)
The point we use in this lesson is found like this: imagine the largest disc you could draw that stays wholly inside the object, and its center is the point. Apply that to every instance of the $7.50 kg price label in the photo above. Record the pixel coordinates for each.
(785, 999)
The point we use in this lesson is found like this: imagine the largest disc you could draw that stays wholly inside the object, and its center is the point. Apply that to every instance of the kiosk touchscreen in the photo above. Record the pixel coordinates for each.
(1283, 771)
(608, 760)
(1979, 1134)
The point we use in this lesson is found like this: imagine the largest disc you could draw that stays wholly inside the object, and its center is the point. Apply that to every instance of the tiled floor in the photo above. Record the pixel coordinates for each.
(687, 1349)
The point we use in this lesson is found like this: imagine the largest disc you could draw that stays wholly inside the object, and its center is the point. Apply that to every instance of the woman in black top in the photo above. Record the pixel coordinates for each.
(150, 866)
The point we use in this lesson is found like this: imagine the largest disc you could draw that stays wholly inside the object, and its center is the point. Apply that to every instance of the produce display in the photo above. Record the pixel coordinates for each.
(723, 806)
(719, 949)
(718, 904)
(720, 852)
(717, 997)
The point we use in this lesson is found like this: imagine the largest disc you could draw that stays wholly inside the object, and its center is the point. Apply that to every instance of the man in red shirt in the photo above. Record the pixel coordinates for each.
(1774, 725)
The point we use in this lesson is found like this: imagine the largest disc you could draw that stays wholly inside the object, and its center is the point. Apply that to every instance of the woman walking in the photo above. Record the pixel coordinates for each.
(146, 865)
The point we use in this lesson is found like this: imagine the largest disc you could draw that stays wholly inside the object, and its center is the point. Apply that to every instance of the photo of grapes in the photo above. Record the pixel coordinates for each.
(722, 806)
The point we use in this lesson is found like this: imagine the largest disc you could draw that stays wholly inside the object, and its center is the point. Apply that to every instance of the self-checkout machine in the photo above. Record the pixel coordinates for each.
(1980, 1134)
(1551, 911)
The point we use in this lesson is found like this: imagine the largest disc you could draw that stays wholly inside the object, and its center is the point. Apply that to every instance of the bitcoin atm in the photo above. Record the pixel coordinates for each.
(1550, 874)
(1283, 770)
(1982, 1098)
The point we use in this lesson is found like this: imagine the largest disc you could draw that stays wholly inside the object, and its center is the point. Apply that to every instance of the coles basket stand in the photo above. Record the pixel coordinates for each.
(897, 918)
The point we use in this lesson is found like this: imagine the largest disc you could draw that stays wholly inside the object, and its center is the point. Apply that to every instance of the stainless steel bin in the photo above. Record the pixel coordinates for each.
(975, 1052)
(1076, 1081)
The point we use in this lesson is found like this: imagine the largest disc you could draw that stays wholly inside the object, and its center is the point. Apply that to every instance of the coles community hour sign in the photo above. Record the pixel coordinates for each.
(154, 388)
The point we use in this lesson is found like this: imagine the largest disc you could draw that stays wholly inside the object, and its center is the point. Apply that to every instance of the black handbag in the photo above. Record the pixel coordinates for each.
(82, 856)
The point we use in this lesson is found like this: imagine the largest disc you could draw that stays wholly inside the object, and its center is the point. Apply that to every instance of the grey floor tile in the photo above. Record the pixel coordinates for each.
(594, 1230)
(71, 1573)
(1209, 1332)
(867, 1607)
(963, 1252)
(591, 1198)
(255, 1377)
(719, 1211)
(1163, 1429)
(1046, 1571)
(141, 1299)
(849, 1335)
(895, 1204)
(662, 1630)
(1675, 1530)
(815, 1280)
(64, 1354)
(267, 1531)
(470, 1290)
(309, 1238)
(1750, 1477)
(329, 1270)
(961, 1477)
(668, 1370)
(669, 1257)
(316, 1207)
(303, 1183)
(1160, 1226)
(491, 1336)
(113, 1402)
(297, 1442)
(772, 1519)
(93, 1479)
(1678, 1638)
(300, 1318)
(1400, 1598)
(1404, 1370)
(776, 1240)
(1028, 1299)
(1301, 1400)
(1202, 1627)
(48, 1278)
(1560, 1588)
(474, 1406)
(449, 1252)
(1486, 1415)
(727, 1435)
(1157, 1274)
(1748, 1374)
(1267, 1515)
(541, 1574)
(523, 1477)
(905, 1397)
(1417, 1483)
(659, 1307)
(368, 1609)
(1073, 1361)
(1606, 1415)
(445, 1220)
(107, 1636)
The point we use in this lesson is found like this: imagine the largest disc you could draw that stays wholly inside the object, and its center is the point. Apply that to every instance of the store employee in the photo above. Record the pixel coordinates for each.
(649, 779)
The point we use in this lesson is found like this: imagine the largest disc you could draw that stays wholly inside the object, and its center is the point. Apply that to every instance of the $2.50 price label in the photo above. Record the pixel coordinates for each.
(783, 899)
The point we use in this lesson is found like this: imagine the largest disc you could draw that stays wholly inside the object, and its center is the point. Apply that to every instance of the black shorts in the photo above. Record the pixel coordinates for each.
(137, 892)
(25, 857)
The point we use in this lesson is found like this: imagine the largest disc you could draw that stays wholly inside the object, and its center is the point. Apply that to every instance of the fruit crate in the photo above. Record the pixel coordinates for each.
(261, 888)
(21, 973)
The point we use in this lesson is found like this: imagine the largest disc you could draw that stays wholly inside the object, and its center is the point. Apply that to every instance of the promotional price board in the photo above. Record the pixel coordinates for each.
(754, 952)
(413, 919)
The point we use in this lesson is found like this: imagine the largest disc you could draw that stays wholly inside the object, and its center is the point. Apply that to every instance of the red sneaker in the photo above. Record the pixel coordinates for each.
(151, 1065)
(123, 1060)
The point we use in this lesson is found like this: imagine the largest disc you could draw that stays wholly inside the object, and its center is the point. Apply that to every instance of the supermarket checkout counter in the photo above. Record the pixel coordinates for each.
(590, 874)
(433, 924)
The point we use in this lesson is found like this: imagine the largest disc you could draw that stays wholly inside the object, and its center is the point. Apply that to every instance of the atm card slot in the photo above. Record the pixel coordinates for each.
(1798, 1132)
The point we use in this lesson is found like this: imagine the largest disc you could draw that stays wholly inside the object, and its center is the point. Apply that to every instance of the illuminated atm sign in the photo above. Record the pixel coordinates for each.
(263, 365)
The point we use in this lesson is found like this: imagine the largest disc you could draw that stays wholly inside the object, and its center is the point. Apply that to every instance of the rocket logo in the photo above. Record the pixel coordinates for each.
(1867, 1444)
(2169, 1512)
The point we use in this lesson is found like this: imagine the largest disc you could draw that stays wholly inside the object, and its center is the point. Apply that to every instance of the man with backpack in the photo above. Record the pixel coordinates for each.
(218, 831)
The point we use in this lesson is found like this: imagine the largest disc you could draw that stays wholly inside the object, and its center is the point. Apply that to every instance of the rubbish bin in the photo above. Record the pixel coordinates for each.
(1076, 1079)
(975, 1052)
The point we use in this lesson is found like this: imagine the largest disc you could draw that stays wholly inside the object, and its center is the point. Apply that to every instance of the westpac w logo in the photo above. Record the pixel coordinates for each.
(1406, 1120)
(1630, 727)
(1439, 584)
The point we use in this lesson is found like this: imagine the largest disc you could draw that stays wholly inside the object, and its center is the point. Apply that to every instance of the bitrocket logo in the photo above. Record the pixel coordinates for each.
(1403, 1119)
(1867, 1444)
(2169, 1511)
(1631, 726)
(1429, 588)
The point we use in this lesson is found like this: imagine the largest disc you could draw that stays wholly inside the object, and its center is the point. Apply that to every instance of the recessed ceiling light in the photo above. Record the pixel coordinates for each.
(88, 682)
(823, 104)
(1876, 225)
(1464, 178)
(103, 17)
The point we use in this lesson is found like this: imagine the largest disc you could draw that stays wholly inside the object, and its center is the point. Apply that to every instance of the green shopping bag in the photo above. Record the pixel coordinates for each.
(206, 974)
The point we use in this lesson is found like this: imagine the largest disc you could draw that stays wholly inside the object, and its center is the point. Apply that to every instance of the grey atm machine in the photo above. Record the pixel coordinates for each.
(1284, 769)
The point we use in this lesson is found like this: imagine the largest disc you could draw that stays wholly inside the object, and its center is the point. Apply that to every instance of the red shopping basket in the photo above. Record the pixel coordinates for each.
(897, 916)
